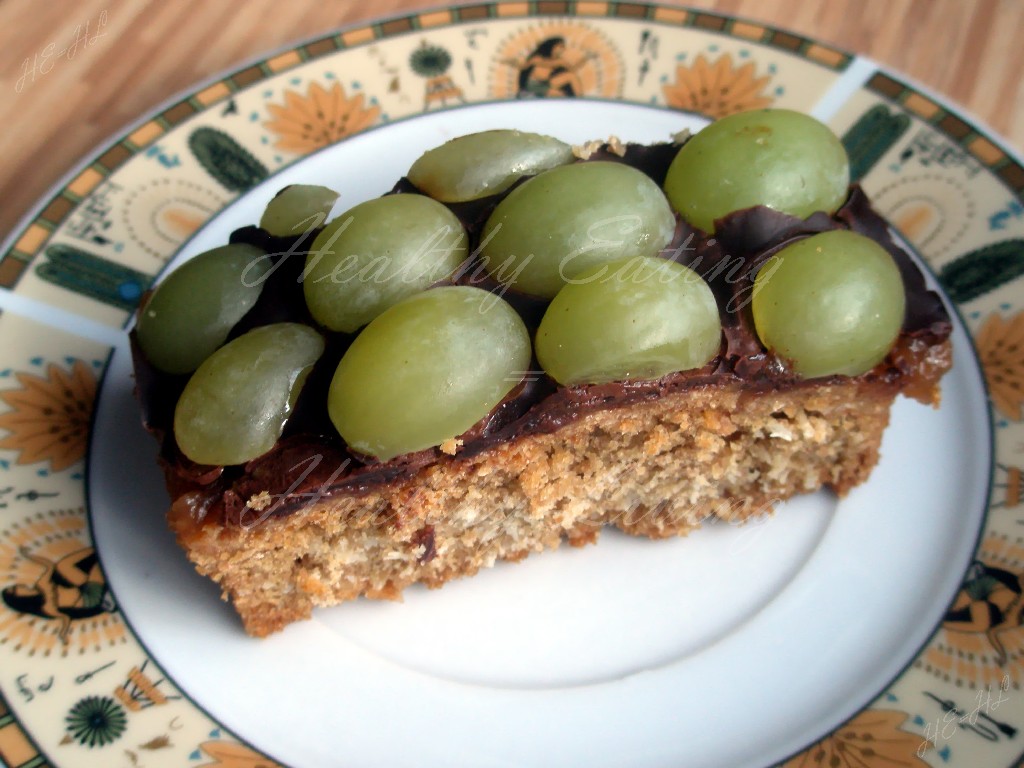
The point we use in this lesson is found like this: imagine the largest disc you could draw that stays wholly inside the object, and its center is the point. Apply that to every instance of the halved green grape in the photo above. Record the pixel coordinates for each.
(775, 157)
(297, 209)
(637, 318)
(235, 406)
(485, 163)
(192, 311)
(426, 370)
(565, 220)
(829, 304)
(377, 254)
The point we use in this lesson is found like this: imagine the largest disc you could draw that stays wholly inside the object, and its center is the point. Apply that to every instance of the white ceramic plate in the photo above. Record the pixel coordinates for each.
(822, 631)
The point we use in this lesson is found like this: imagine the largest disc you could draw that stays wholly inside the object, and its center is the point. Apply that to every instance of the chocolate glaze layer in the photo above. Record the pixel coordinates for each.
(312, 461)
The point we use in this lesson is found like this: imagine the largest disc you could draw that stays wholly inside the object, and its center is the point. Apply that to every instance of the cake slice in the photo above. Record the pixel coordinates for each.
(327, 510)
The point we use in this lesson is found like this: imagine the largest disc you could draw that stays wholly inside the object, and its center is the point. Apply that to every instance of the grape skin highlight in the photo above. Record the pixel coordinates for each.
(426, 370)
(567, 219)
(778, 158)
(193, 310)
(639, 318)
(829, 304)
(297, 209)
(378, 253)
(235, 406)
(485, 163)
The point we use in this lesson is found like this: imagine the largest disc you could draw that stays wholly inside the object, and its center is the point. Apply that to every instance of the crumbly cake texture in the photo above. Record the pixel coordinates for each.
(657, 468)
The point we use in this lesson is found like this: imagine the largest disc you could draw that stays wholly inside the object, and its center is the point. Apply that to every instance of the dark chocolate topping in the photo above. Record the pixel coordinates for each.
(311, 460)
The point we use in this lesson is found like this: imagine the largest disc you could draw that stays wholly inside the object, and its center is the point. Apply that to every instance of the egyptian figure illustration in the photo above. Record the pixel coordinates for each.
(547, 71)
(989, 602)
(71, 588)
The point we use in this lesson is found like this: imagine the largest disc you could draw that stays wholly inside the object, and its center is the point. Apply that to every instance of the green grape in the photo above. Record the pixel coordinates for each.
(485, 163)
(570, 218)
(192, 311)
(377, 254)
(426, 370)
(637, 318)
(297, 209)
(829, 304)
(235, 406)
(775, 157)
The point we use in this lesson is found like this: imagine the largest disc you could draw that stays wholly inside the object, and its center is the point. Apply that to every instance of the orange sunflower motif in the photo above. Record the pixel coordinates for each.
(1001, 348)
(321, 117)
(872, 739)
(49, 415)
(717, 89)
(228, 754)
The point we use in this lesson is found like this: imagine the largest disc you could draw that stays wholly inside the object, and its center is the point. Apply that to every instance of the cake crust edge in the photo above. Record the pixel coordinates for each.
(658, 469)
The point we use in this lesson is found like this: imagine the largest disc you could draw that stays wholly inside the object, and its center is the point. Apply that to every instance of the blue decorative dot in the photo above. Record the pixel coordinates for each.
(267, 94)
(70, 360)
(278, 159)
(891, 697)
(974, 315)
(264, 140)
(779, 91)
(918, 720)
(1003, 424)
(195, 755)
(712, 48)
(97, 363)
(295, 80)
(744, 53)
(215, 733)
(329, 75)
(5, 372)
(36, 361)
(680, 56)
(385, 117)
(663, 79)
(5, 464)
(944, 753)
(129, 291)
(1005, 306)
(42, 472)
(356, 84)
(254, 116)
(77, 476)
(772, 69)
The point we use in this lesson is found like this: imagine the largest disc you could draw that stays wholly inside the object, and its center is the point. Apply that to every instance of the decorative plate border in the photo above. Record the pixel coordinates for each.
(950, 187)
